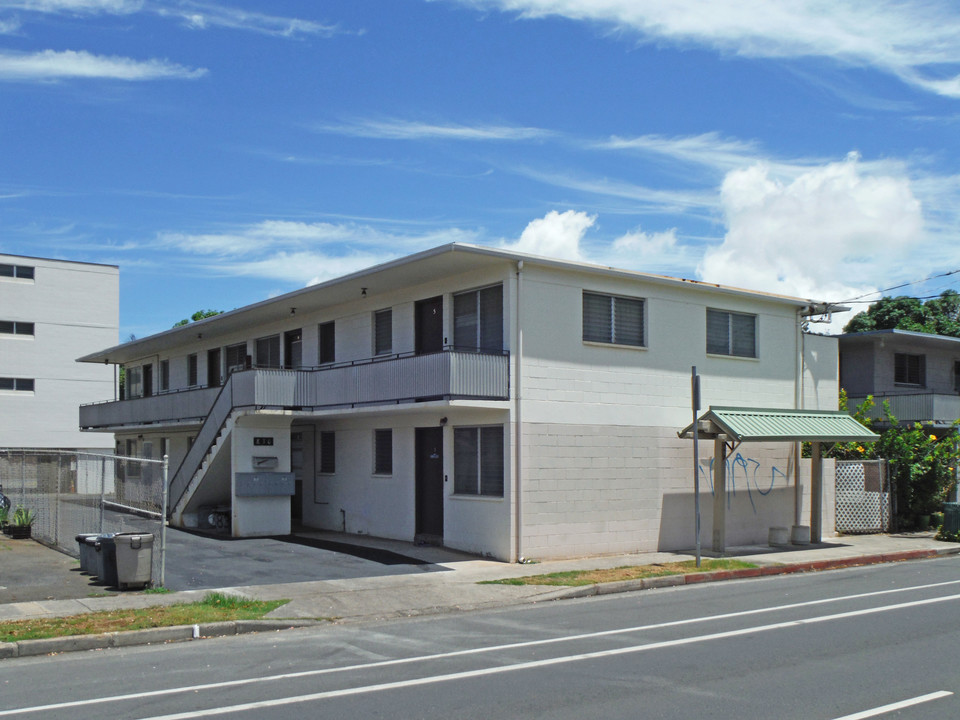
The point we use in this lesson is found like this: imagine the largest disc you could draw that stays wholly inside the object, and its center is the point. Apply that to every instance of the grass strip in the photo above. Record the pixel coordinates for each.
(573, 578)
(215, 607)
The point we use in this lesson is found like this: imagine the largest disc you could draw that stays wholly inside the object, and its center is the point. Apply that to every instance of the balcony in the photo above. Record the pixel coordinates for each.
(914, 407)
(446, 375)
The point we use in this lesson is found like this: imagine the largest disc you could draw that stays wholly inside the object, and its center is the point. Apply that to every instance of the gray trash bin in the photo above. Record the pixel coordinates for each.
(106, 559)
(134, 558)
(88, 556)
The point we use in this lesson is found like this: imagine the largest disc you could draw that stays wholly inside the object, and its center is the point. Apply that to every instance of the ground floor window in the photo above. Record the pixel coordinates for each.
(383, 452)
(478, 460)
(328, 452)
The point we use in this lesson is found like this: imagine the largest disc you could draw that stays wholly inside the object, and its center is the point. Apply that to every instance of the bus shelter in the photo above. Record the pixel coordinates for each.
(728, 427)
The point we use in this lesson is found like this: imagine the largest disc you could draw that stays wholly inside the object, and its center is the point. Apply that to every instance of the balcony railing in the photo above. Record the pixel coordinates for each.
(914, 407)
(450, 374)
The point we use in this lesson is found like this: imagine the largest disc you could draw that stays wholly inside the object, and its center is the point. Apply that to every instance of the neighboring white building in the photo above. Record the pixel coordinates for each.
(51, 313)
(503, 404)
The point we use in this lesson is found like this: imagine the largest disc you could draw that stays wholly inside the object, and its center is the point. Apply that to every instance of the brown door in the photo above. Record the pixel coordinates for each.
(429, 484)
(429, 326)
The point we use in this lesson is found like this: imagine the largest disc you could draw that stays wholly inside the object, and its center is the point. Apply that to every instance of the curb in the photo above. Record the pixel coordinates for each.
(179, 633)
(149, 636)
(720, 575)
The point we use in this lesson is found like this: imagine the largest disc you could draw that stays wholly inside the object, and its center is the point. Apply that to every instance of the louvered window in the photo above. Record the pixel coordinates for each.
(612, 319)
(730, 333)
(478, 319)
(328, 452)
(268, 352)
(383, 332)
(478, 460)
(15, 327)
(909, 369)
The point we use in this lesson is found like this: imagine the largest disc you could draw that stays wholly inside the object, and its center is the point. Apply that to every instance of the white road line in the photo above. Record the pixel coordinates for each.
(896, 706)
(461, 653)
(483, 672)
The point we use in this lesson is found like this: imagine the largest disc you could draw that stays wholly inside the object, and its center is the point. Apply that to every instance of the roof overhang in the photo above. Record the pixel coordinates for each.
(422, 267)
(735, 424)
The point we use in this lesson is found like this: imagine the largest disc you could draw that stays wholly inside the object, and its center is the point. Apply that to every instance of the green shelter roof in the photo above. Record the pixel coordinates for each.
(773, 425)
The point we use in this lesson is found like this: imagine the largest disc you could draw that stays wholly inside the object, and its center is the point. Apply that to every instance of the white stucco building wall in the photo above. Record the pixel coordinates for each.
(52, 312)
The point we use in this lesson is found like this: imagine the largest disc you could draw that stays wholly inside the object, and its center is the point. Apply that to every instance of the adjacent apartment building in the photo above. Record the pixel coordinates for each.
(918, 374)
(503, 404)
(51, 313)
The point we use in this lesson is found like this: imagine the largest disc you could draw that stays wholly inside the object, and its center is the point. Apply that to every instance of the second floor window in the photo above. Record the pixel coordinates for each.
(15, 327)
(134, 382)
(383, 332)
(164, 375)
(236, 357)
(909, 369)
(268, 352)
(191, 370)
(327, 350)
(478, 319)
(17, 384)
(25, 272)
(731, 333)
(612, 319)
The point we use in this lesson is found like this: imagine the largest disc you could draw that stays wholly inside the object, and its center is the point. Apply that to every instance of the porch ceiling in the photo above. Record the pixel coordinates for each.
(775, 425)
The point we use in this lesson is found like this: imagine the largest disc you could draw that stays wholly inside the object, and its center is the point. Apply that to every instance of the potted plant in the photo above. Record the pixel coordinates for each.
(21, 523)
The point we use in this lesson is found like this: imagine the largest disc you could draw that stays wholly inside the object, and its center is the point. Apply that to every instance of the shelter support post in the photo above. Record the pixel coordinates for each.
(816, 492)
(719, 495)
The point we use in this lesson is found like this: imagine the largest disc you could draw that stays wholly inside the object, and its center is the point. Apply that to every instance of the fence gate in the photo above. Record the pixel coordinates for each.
(864, 497)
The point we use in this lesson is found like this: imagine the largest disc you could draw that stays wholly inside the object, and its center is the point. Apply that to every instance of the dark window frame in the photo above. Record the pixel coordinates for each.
(17, 327)
(727, 335)
(613, 319)
(478, 461)
(383, 332)
(478, 319)
(12, 384)
(328, 452)
(910, 369)
(327, 343)
(383, 451)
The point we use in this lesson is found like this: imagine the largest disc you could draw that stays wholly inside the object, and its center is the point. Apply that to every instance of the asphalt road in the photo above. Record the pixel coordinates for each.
(868, 642)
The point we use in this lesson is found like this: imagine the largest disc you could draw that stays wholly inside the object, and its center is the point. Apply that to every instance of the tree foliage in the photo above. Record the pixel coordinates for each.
(939, 315)
(198, 315)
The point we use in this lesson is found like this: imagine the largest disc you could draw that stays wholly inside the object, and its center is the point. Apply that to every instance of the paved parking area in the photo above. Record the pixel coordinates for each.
(31, 571)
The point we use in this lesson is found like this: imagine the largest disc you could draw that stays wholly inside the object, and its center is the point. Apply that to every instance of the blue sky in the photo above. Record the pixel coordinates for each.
(224, 152)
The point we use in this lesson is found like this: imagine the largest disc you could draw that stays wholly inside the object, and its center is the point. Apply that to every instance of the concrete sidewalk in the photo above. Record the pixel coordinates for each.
(452, 585)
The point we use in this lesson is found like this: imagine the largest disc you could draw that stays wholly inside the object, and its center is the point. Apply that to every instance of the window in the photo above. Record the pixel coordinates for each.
(25, 272)
(17, 384)
(327, 350)
(134, 382)
(236, 357)
(730, 333)
(383, 452)
(909, 369)
(478, 461)
(15, 327)
(268, 352)
(328, 452)
(383, 332)
(478, 319)
(164, 375)
(613, 319)
(133, 466)
(191, 370)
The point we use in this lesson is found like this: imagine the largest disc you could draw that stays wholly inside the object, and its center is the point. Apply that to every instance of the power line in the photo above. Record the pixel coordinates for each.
(897, 287)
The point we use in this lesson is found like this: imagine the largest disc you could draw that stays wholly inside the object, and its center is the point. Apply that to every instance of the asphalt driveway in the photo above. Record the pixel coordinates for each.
(30, 571)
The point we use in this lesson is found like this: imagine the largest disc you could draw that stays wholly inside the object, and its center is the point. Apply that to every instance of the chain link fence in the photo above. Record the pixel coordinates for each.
(73, 493)
(865, 497)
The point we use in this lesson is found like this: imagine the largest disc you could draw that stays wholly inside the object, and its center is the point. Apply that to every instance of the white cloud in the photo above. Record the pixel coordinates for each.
(832, 233)
(556, 235)
(909, 39)
(56, 65)
(410, 130)
(708, 149)
(115, 7)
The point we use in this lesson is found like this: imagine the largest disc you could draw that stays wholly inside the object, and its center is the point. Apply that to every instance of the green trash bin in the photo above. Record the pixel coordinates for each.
(134, 553)
(951, 518)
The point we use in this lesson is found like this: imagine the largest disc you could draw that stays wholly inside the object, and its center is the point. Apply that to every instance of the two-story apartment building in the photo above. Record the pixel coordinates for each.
(503, 404)
(918, 374)
(51, 313)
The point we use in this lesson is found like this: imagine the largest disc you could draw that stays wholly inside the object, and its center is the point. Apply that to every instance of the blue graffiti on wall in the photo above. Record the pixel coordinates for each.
(747, 472)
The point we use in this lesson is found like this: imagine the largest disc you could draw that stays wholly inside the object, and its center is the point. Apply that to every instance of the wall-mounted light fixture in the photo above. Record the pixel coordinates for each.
(293, 311)
(363, 292)
(443, 421)
(199, 336)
